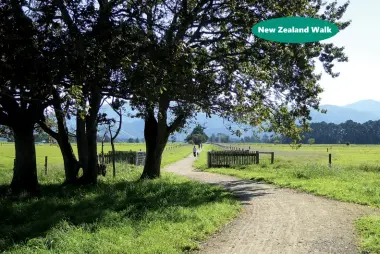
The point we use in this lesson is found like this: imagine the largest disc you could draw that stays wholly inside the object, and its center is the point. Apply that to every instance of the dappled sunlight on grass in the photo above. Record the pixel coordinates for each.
(118, 215)
(164, 215)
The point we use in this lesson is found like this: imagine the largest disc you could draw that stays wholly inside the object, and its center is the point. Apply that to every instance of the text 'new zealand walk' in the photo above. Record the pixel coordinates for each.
(293, 29)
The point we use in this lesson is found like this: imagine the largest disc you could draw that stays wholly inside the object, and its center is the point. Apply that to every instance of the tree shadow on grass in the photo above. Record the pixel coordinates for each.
(33, 217)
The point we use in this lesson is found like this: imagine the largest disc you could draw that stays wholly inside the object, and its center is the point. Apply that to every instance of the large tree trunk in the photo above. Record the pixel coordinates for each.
(25, 169)
(90, 175)
(70, 162)
(156, 139)
(90, 172)
(82, 142)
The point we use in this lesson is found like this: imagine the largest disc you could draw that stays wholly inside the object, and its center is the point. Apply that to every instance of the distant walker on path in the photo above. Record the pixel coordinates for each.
(195, 151)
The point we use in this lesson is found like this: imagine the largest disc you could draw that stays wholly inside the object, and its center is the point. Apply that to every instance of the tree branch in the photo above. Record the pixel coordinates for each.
(188, 20)
(49, 131)
(176, 123)
(120, 124)
(67, 19)
(119, 113)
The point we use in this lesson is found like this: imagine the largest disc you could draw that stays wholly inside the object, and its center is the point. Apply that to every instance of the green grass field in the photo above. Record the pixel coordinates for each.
(119, 215)
(55, 161)
(171, 214)
(347, 179)
(7, 153)
(353, 177)
(341, 154)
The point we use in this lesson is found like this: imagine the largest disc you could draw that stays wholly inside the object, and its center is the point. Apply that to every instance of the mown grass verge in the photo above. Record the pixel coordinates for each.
(359, 185)
(369, 232)
(119, 215)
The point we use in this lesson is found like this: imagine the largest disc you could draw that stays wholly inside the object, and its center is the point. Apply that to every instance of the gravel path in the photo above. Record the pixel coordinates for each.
(276, 220)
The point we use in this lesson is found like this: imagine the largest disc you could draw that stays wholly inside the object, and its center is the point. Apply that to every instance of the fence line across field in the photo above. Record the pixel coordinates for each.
(237, 149)
(130, 157)
(230, 156)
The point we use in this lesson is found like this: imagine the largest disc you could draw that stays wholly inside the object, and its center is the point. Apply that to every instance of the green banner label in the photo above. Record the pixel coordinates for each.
(295, 30)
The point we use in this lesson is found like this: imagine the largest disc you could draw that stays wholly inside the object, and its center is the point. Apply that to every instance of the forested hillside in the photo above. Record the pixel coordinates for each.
(349, 131)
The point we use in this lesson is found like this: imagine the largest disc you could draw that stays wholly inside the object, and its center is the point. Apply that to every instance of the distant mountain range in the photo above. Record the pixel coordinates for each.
(134, 127)
(360, 111)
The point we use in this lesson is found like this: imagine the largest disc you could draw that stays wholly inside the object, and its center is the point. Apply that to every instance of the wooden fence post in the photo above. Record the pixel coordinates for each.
(272, 158)
(209, 159)
(257, 157)
(46, 162)
(330, 160)
(113, 165)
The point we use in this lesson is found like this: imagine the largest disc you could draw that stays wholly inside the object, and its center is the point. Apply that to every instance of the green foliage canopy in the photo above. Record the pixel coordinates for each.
(197, 136)
(201, 56)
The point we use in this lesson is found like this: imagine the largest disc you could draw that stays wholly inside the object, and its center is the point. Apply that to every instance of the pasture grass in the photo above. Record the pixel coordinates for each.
(359, 184)
(353, 177)
(118, 215)
(351, 182)
(55, 160)
(7, 152)
(341, 153)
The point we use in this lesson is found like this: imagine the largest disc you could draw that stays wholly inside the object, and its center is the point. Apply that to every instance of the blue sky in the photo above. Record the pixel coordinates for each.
(359, 78)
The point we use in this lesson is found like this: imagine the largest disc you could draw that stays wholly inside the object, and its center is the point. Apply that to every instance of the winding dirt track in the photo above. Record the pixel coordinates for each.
(277, 220)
